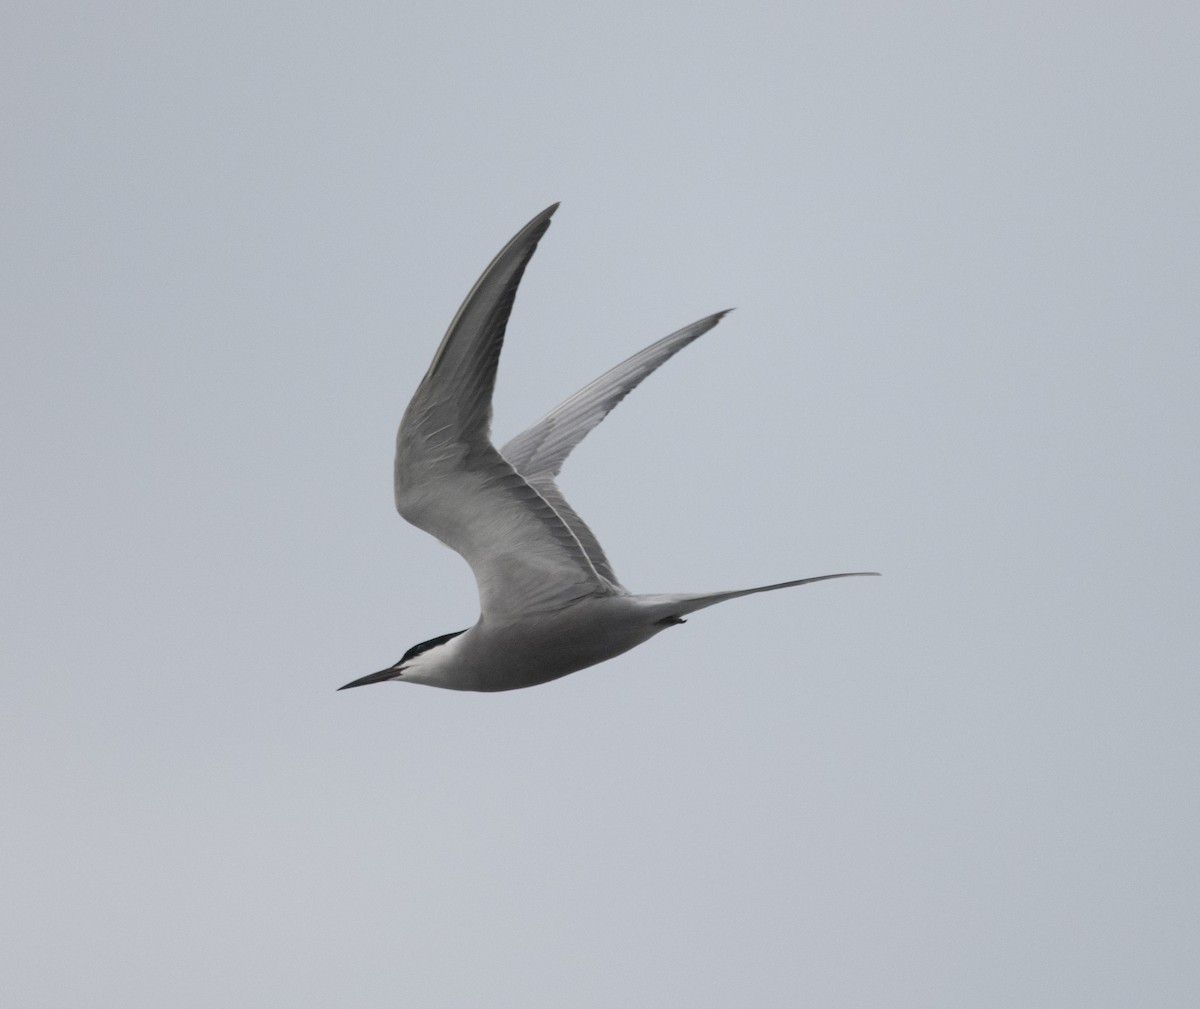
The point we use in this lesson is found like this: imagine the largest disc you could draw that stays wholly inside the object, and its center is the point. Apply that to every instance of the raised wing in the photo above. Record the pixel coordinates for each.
(539, 452)
(451, 481)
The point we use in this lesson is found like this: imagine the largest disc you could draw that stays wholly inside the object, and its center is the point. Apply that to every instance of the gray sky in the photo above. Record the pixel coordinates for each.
(962, 240)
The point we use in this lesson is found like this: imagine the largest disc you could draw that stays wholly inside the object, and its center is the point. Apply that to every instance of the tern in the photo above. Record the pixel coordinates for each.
(550, 603)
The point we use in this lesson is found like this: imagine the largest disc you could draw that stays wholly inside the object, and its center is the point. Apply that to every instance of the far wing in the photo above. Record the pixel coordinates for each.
(451, 481)
(539, 452)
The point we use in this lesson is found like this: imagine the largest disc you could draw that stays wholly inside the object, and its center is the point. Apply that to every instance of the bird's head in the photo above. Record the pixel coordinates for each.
(416, 665)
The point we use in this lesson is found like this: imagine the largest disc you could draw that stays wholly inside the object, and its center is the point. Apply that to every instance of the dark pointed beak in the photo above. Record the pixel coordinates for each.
(380, 677)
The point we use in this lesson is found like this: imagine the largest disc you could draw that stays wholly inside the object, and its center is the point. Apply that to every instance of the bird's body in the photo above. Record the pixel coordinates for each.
(550, 602)
(541, 648)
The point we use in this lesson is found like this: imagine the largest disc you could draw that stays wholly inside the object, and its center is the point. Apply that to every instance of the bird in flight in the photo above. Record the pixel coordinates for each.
(550, 603)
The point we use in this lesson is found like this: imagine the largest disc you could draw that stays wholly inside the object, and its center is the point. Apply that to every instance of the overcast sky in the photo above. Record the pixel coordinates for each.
(962, 241)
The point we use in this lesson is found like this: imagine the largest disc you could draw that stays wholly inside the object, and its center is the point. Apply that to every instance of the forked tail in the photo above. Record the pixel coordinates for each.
(675, 606)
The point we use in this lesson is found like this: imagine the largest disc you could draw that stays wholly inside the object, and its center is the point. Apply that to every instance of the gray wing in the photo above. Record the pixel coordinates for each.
(451, 482)
(539, 452)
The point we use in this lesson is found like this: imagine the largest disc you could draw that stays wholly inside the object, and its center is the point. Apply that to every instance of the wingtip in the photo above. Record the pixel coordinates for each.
(703, 325)
(535, 228)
